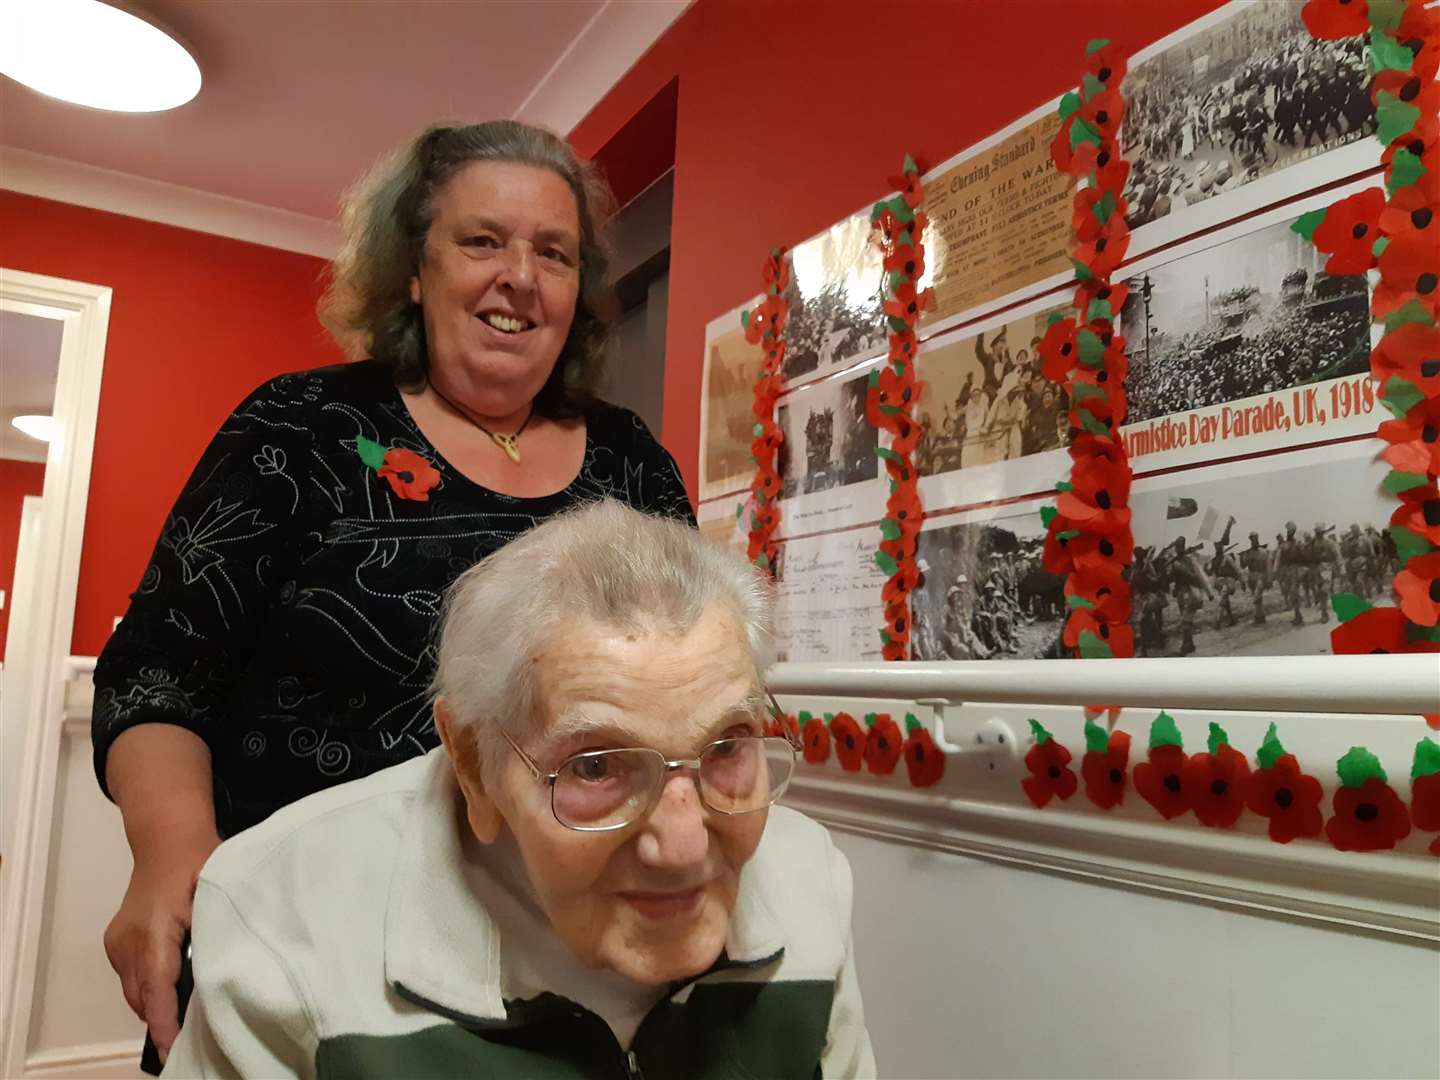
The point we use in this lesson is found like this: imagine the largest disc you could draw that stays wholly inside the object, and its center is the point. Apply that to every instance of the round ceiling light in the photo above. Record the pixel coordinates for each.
(44, 428)
(93, 54)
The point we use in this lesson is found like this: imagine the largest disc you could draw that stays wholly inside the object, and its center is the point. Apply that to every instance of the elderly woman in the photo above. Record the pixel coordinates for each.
(280, 641)
(587, 881)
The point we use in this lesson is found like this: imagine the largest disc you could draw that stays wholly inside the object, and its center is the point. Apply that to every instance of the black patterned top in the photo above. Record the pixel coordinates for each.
(289, 610)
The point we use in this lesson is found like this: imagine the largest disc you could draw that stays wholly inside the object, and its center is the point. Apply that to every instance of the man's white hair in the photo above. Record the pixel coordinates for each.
(602, 563)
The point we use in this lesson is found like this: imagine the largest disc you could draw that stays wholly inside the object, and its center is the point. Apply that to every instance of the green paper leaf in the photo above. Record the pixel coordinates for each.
(1270, 750)
(1068, 534)
(1405, 169)
(1097, 739)
(1427, 759)
(774, 290)
(371, 453)
(1400, 396)
(1047, 515)
(1053, 318)
(1038, 731)
(1082, 390)
(1094, 45)
(901, 209)
(1079, 602)
(1092, 648)
(1306, 224)
(886, 453)
(1394, 117)
(762, 561)
(1387, 54)
(1359, 765)
(1105, 206)
(1089, 349)
(1090, 424)
(1082, 272)
(1090, 86)
(739, 512)
(1396, 481)
(1378, 248)
(884, 637)
(745, 318)
(897, 324)
(829, 717)
(1408, 544)
(912, 723)
(890, 410)
(897, 279)
(1348, 605)
(889, 529)
(886, 563)
(1217, 738)
(1386, 14)
(908, 166)
(869, 719)
(1412, 311)
(1164, 732)
(1069, 105)
(1081, 132)
(804, 716)
(1422, 633)
(758, 430)
(1099, 310)
(874, 379)
(1064, 485)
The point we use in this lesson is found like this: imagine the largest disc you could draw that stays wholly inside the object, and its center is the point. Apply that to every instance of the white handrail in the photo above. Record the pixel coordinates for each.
(1383, 684)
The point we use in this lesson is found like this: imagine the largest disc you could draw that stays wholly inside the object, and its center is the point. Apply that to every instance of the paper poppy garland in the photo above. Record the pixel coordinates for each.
(409, 474)
(1088, 539)
(878, 745)
(765, 327)
(891, 398)
(1396, 230)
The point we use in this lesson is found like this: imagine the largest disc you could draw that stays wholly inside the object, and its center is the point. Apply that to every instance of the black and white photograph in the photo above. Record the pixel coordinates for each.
(986, 398)
(727, 420)
(835, 296)
(1243, 98)
(984, 594)
(1245, 565)
(828, 441)
(1249, 316)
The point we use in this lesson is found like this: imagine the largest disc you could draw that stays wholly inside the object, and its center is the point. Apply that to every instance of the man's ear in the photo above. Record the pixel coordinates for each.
(484, 816)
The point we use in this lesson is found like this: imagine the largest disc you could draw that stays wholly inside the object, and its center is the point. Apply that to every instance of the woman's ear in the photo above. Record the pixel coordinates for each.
(415, 289)
(484, 816)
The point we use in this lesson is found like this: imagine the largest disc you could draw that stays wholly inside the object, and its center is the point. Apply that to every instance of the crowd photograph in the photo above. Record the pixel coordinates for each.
(987, 400)
(835, 298)
(731, 367)
(1249, 316)
(1235, 102)
(828, 440)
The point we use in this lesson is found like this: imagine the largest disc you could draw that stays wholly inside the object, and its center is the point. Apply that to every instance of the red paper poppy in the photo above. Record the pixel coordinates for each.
(1217, 782)
(897, 390)
(1425, 802)
(774, 357)
(1418, 586)
(410, 475)
(1419, 31)
(849, 741)
(1103, 112)
(1408, 271)
(1050, 775)
(766, 483)
(1420, 91)
(1408, 212)
(1160, 782)
(1108, 65)
(883, 746)
(1422, 140)
(1099, 491)
(1058, 554)
(777, 272)
(1112, 177)
(785, 726)
(923, 760)
(1412, 352)
(1107, 592)
(1117, 635)
(900, 584)
(815, 737)
(1104, 773)
(1289, 797)
(907, 185)
(905, 303)
(1086, 446)
(1083, 221)
(907, 434)
(1415, 440)
(1376, 630)
(1419, 511)
(1350, 230)
(1091, 160)
(1098, 289)
(1059, 351)
(1099, 553)
(1331, 20)
(1104, 254)
(1370, 817)
(897, 622)
(907, 259)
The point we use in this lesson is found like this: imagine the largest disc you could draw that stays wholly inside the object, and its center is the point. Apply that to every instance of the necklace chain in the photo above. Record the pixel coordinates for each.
(507, 442)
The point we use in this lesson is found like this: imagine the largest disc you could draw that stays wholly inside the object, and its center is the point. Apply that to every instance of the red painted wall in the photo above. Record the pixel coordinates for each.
(788, 121)
(17, 479)
(196, 322)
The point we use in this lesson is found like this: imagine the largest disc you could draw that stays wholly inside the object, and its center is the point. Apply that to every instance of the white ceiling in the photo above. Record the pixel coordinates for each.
(29, 359)
(299, 96)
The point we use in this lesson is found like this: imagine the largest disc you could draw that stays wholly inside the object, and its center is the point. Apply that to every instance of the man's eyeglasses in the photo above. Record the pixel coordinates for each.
(603, 790)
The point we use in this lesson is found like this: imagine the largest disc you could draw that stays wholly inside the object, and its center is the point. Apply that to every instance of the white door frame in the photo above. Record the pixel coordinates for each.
(39, 638)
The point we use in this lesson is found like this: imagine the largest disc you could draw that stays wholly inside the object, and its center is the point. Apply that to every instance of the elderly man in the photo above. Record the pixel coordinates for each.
(586, 881)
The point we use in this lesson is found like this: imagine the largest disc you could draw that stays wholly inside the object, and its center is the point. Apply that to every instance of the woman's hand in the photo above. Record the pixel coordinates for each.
(144, 938)
(159, 775)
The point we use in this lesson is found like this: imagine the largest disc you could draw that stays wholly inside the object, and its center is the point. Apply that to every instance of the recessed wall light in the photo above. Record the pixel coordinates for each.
(44, 428)
(89, 53)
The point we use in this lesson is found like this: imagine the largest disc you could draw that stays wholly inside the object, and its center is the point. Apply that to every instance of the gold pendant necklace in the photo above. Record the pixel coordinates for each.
(509, 443)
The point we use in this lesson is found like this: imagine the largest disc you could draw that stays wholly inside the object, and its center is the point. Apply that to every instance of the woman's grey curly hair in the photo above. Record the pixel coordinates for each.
(385, 217)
